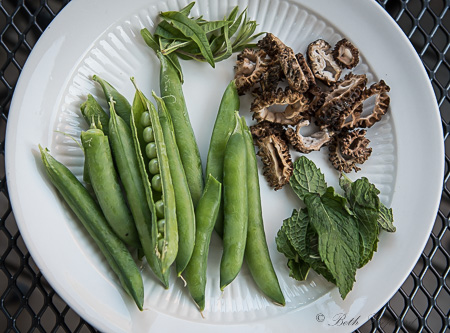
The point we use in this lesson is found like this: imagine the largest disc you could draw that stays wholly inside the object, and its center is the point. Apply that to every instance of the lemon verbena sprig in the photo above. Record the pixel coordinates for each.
(199, 39)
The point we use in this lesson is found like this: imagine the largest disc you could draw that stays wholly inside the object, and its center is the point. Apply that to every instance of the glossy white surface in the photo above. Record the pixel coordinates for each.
(103, 38)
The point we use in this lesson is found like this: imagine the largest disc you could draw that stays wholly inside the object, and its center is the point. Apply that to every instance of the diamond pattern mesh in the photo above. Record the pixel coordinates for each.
(28, 303)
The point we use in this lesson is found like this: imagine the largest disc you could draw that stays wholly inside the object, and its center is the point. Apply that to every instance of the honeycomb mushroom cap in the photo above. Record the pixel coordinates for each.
(289, 64)
(381, 105)
(275, 156)
(266, 128)
(307, 144)
(346, 54)
(296, 109)
(339, 102)
(250, 66)
(322, 63)
(349, 149)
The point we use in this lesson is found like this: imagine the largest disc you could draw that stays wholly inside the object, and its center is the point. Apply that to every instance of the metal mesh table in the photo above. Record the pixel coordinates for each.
(28, 303)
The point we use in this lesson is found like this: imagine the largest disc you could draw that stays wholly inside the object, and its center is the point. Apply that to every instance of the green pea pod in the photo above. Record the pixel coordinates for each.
(223, 127)
(206, 214)
(235, 205)
(184, 205)
(256, 250)
(172, 93)
(93, 113)
(122, 106)
(92, 218)
(127, 163)
(167, 246)
(106, 186)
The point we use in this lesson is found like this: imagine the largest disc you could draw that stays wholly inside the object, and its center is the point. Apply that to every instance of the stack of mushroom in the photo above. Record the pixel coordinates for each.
(311, 89)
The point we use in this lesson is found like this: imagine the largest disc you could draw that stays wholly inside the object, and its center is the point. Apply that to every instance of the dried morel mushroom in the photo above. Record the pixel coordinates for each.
(275, 156)
(266, 128)
(340, 101)
(346, 54)
(296, 109)
(307, 144)
(382, 100)
(250, 66)
(292, 70)
(322, 63)
(349, 149)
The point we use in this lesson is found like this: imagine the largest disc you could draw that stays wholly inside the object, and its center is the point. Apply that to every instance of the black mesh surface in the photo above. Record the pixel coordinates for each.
(28, 303)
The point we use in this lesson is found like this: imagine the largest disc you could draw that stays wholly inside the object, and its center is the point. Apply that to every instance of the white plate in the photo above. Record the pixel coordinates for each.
(102, 37)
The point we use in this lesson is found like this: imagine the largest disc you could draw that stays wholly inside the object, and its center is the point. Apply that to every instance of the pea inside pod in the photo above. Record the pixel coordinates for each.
(183, 198)
(156, 170)
(129, 165)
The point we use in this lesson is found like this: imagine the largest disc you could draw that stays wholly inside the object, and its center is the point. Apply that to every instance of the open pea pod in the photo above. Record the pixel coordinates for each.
(183, 199)
(154, 166)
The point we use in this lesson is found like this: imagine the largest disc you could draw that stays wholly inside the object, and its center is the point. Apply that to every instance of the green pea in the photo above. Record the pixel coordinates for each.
(159, 208)
(145, 119)
(153, 166)
(150, 150)
(161, 224)
(156, 183)
(148, 134)
(160, 244)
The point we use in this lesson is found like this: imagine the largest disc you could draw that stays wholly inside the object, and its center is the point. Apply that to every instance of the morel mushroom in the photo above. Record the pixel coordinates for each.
(266, 128)
(349, 149)
(250, 66)
(296, 109)
(381, 105)
(340, 101)
(307, 144)
(292, 70)
(322, 63)
(275, 156)
(346, 54)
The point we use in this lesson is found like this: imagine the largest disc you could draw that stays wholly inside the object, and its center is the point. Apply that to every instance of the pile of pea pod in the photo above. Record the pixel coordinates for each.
(145, 189)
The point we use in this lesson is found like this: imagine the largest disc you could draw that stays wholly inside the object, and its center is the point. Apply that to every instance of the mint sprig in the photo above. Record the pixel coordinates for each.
(334, 234)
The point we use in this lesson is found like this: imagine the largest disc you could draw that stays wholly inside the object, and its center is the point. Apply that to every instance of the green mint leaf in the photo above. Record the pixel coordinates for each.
(192, 30)
(362, 197)
(307, 178)
(304, 240)
(283, 244)
(298, 269)
(337, 230)
(386, 218)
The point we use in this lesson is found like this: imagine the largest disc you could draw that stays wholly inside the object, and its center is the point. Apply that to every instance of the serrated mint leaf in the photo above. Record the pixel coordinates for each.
(298, 269)
(386, 219)
(283, 244)
(307, 178)
(363, 199)
(338, 237)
